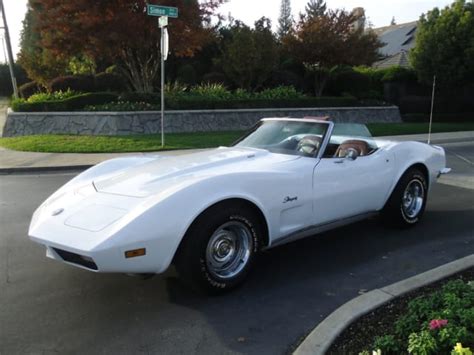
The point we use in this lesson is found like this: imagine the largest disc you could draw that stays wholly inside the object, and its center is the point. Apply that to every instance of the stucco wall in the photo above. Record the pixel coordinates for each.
(124, 123)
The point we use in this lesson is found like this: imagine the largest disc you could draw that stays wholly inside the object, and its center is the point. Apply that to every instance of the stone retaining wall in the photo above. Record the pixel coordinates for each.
(124, 123)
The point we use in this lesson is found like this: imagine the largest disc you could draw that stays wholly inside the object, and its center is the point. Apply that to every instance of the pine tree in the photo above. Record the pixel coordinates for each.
(393, 22)
(285, 21)
(316, 8)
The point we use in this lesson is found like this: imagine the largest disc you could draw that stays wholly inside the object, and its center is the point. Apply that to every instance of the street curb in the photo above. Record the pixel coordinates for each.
(322, 337)
(43, 169)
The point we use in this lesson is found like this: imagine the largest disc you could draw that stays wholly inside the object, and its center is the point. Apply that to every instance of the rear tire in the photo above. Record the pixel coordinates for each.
(407, 203)
(219, 249)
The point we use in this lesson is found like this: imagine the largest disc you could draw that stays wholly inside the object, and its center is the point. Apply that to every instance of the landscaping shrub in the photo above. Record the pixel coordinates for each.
(399, 74)
(434, 324)
(286, 78)
(186, 74)
(211, 92)
(28, 89)
(83, 83)
(52, 96)
(347, 80)
(124, 106)
(280, 92)
(6, 88)
(443, 105)
(214, 78)
(415, 104)
(145, 97)
(197, 103)
(109, 82)
(73, 103)
(175, 89)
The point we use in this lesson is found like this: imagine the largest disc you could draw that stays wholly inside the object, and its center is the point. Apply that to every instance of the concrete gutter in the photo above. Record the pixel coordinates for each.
(322, 337)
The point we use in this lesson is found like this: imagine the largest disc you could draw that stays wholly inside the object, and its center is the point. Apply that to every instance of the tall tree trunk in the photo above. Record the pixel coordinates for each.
(321, 78)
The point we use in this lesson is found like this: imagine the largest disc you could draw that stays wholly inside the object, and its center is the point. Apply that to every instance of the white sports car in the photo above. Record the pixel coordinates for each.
(211, 212)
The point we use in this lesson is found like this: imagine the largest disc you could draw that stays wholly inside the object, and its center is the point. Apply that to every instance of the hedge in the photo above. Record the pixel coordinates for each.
(29, 89)
(74, 103)
(84, 83)
(109, 82)
(192, 103)
(443, 104)
(79, 102)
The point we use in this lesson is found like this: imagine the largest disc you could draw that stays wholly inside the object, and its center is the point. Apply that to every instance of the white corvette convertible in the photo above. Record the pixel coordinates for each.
(211, 212)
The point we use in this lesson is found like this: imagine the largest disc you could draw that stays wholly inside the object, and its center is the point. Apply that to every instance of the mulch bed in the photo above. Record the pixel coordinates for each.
(360, 334)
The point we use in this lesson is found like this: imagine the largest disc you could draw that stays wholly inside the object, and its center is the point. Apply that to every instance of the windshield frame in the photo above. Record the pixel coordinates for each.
(322, 148)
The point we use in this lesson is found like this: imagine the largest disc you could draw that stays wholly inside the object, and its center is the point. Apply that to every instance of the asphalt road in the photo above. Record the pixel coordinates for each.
(50, 308)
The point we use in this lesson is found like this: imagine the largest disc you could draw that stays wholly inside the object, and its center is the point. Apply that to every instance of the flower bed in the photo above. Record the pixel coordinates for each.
(437, 319)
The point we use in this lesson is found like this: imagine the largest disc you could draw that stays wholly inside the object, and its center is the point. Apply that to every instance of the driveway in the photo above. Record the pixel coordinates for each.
(50, 308)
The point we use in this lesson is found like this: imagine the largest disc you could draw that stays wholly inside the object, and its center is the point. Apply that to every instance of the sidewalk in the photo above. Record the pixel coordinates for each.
(15, 161)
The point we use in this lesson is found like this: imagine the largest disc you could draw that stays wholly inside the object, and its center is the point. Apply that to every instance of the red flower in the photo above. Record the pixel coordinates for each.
(438, 323)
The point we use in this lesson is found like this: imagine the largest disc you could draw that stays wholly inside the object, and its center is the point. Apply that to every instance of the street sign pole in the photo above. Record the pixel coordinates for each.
(162, 86)
(9, 50)
(164, 47)
(162, 12)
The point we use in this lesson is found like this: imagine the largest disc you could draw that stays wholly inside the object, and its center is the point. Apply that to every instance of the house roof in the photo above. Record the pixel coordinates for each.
(399, 59)
(397, 38)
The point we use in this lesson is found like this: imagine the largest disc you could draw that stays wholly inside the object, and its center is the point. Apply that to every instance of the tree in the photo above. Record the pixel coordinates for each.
(40, 64)
(316, 8)
(393, 22)
(322, 42)
(285, 22)
(249, 56)
(120, 31)
(445, 46)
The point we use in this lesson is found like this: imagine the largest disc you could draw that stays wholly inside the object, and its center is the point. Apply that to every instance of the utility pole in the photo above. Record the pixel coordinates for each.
(432, 107)
(9, 49)
(4, 49)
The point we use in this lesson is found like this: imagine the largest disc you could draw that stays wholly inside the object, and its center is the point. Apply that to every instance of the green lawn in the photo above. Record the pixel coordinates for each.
(146, 143)
(395, 129)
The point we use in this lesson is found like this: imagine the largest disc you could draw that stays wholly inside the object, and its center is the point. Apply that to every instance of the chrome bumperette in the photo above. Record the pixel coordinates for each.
(444, 171)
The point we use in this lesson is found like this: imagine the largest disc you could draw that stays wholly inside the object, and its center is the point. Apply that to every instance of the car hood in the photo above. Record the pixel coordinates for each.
(163, 172)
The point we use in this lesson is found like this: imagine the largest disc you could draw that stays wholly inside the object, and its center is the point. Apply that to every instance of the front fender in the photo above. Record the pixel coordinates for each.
(408, 154)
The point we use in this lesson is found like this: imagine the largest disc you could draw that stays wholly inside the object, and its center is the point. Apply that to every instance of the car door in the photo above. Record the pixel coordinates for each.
(343, 187)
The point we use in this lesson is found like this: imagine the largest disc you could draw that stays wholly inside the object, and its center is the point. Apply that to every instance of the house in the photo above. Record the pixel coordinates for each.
(397, 40)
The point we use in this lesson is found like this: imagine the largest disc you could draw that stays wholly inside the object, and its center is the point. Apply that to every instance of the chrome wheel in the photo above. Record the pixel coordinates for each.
(228, 250)
(413, 198)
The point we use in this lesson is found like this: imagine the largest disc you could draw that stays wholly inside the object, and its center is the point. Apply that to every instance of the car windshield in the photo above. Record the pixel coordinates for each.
(286, 137)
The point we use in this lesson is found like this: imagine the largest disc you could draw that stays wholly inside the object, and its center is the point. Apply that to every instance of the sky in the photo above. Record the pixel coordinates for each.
(378, 12)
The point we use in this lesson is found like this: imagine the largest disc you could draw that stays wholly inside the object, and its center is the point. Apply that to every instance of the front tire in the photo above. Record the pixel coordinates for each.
(407, 203)
(220, 248)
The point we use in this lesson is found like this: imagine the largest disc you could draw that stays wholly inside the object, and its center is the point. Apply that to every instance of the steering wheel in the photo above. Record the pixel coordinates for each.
(309, 145)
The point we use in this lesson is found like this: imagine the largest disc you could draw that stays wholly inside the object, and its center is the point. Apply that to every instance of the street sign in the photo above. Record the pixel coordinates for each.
(162, 21)
(158, 10)
(165, 44)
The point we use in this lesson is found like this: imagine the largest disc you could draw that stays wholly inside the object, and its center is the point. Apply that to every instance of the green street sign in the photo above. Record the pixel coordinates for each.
(158, 10)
